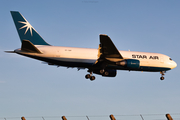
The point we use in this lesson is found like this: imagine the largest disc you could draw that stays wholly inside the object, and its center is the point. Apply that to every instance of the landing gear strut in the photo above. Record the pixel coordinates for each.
(162, 75)
(89, 76)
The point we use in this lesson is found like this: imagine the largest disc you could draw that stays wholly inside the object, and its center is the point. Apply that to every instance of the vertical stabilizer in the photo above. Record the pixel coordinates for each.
(25, 30)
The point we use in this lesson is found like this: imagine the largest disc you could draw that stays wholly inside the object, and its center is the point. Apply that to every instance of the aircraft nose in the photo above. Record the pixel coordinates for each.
(173, 65)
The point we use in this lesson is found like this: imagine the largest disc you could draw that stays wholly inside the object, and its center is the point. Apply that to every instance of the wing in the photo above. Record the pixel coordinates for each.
(107, 48)
(106, 51)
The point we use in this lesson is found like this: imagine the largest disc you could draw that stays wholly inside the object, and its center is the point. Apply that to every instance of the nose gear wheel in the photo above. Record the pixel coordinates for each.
(162, 75)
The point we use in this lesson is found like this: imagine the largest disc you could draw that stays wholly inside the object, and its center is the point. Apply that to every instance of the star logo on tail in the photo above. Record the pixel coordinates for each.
(27, 25)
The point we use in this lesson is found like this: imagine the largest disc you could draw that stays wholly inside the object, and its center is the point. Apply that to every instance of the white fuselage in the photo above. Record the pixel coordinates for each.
(85, 57)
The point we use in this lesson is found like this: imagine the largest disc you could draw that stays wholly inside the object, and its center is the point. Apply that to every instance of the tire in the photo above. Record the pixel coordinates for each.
(162, 78)
(88, 76)
(92, 78)
(101, 71)
(106, 73)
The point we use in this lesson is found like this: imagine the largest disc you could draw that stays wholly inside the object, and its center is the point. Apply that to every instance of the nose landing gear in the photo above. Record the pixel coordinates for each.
(162, 75)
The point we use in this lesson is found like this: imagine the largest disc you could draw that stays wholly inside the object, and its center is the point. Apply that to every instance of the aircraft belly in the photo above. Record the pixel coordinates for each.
(69, 62)
(141, 68)
(74, 62)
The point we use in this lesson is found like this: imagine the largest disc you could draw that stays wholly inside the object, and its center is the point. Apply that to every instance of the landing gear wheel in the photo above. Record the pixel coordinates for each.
(106, 73)
(162, 75)
(101, 71)
(88, 76)
(92, 78)
(162, 78)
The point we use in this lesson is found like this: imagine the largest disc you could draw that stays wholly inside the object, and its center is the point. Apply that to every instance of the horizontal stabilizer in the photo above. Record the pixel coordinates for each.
(9, 51)
(29, 47)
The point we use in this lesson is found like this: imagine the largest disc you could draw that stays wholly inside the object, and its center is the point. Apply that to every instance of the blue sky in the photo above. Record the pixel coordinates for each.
(30, 88)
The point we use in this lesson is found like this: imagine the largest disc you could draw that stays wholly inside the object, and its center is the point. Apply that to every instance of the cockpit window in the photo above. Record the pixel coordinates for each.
(170, 59)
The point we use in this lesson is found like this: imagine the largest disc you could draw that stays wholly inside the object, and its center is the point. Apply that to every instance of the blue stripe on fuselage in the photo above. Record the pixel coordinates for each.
(141, 68)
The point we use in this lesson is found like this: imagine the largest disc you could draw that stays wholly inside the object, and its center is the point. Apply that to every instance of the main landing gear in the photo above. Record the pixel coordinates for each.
(89, 76)
(103, 72)
(162, 75)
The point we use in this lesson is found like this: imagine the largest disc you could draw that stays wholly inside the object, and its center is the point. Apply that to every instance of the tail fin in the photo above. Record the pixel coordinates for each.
(25, 30)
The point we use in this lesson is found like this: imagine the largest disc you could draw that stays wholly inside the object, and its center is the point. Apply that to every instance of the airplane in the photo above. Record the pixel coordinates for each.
(104, 61)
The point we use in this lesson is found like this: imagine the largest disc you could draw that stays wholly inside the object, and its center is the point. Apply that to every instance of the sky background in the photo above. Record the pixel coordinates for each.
(32, 89)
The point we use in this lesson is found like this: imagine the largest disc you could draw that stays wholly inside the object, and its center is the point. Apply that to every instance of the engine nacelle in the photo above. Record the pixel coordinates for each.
(129, 63)
(106, 73)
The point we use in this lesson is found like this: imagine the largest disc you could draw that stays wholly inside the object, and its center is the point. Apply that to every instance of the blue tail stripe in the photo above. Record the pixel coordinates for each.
(26, 31)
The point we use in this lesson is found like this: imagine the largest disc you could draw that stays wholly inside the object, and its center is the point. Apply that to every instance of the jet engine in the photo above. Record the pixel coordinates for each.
(129, 63)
